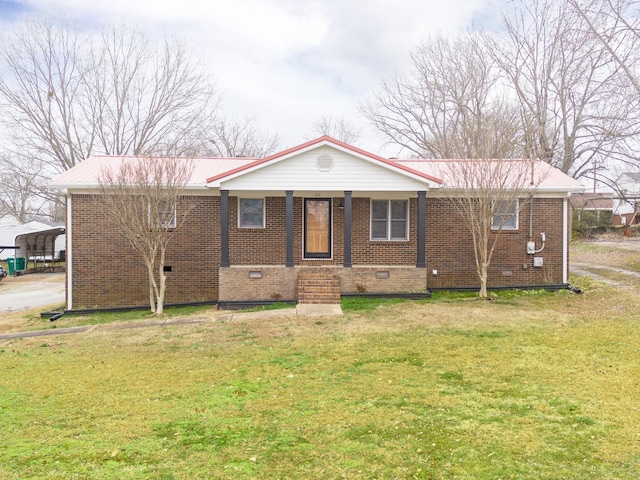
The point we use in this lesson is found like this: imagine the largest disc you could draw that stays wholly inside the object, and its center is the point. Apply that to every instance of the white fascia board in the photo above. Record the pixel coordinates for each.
(73, 186)
(536, 193)
(278, 190)
(92, 189)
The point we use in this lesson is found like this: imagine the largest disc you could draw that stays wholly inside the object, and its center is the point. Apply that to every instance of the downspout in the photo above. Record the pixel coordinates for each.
(69, 255)
(531, 218)
(565, 241)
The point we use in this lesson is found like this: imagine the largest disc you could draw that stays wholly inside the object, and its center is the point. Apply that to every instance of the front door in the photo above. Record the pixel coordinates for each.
(317, 228)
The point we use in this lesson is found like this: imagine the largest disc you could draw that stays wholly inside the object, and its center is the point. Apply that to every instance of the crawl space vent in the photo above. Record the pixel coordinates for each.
(324, 162)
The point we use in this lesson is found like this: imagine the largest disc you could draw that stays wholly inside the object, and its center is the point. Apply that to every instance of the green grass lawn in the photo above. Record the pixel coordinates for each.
(528, 386)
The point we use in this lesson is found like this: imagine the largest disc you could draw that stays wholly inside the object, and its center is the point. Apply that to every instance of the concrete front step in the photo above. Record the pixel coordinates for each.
(314, 309)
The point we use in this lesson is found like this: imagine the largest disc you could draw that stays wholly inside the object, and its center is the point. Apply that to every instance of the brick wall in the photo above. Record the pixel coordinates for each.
(275, 283)
(383, 279)
(259, 246)
(450, 248)
(247, 283)
(107, 272)
(367, 252)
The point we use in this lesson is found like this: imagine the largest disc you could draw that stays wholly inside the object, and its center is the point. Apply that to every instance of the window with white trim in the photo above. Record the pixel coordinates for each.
(505, 215)
(251, 212)
(390, 220)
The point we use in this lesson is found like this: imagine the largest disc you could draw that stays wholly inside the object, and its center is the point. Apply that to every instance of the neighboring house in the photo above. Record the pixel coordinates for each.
(261, 230)
(627, 199)
(592, 209)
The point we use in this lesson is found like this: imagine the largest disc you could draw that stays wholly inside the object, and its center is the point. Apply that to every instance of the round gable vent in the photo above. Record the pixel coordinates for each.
(324, 162)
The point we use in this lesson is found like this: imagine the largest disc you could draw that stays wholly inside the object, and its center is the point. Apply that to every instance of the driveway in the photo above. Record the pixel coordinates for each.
(610, 260)
(31, 291)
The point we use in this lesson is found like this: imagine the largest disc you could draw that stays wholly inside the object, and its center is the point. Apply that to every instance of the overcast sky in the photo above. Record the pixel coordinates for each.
(284, 62)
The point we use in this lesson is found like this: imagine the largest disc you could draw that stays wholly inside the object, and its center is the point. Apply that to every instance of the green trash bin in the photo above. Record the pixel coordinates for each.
(15, 264)
(21, 263)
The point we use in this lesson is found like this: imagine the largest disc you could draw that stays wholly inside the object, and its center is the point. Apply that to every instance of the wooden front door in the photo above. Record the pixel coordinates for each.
(317, 228)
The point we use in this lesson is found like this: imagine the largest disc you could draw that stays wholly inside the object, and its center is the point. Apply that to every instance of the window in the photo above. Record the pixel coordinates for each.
(166, 211)
(389, 219)
(251, 213)
(505, 215)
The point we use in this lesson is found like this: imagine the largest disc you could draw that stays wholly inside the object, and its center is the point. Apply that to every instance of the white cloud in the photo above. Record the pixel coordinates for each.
(287, 62)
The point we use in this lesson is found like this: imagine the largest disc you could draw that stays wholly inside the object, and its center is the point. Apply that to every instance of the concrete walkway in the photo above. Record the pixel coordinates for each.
(318, 310)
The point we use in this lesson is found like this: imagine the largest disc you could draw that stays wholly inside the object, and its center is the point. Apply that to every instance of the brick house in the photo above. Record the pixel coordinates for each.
(259, 228)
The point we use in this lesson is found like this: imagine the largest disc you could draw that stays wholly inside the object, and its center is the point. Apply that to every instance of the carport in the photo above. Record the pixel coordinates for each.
(37, 248)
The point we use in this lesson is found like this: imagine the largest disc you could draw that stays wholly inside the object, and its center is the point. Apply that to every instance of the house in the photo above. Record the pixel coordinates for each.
(353, 222)
(592, 209)
(627, 198)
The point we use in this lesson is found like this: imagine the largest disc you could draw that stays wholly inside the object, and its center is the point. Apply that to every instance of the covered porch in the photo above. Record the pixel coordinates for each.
(314, 247)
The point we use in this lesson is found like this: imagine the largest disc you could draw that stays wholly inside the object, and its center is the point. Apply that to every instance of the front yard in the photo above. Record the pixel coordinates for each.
(526, 386)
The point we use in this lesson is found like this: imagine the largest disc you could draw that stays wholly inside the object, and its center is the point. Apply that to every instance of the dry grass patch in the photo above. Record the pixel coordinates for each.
(620, 255)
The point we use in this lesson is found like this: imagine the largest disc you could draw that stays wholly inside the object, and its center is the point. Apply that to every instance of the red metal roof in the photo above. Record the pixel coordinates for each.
(88, 172)
(209, 170)
(546, 176)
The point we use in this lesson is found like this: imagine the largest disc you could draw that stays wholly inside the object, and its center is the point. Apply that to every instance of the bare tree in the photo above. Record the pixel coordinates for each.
(487, 194)
(578, 110)
(144, 198)
(486, 187)
(338, 128)
(145, 100)
(453, 106)
(66, 95)
(573, 98)
(41, 91)
(238, 138)
(615, 24)
(450, 86)
(23, 192)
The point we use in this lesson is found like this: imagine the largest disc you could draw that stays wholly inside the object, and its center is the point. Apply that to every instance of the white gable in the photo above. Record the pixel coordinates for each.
(328, 169)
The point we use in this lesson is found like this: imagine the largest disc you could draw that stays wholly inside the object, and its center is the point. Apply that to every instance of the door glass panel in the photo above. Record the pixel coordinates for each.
(318, 225)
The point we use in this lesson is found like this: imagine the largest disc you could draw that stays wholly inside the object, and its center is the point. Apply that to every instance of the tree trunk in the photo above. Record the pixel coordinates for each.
(483, 280)
(152, 302)
(163, 285)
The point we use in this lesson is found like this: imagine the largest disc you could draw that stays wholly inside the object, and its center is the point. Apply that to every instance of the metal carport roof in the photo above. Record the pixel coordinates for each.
(40, 244)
